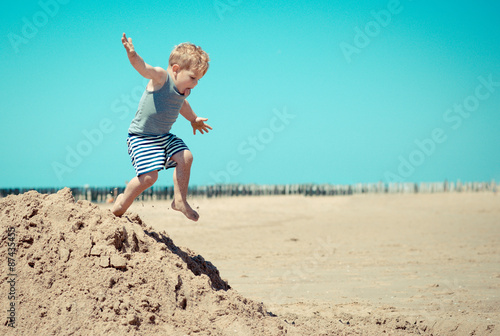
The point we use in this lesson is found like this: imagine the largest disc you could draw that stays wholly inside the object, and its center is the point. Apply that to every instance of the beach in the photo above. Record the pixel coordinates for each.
(362, 264)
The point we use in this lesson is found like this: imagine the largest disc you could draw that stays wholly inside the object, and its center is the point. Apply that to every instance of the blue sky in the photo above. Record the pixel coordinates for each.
(297, 92)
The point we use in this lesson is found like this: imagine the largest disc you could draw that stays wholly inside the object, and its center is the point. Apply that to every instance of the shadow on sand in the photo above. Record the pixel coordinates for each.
(195, 263)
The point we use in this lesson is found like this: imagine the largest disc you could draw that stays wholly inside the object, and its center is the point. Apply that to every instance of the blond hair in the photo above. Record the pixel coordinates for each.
(189, 57)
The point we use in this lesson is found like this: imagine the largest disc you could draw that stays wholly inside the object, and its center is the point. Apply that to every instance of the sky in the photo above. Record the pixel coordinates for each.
(338, 92)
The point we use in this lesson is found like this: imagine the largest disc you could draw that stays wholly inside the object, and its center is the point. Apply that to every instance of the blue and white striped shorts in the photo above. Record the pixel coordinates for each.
(153, 152)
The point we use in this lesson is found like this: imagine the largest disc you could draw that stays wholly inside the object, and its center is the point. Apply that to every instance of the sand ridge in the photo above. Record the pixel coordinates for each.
(82, 271)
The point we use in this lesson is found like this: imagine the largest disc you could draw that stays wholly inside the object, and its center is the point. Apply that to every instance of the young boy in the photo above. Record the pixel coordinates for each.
(150, 144)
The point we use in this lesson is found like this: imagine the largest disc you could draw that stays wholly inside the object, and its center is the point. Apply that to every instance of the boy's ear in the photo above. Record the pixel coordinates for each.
(175, 68)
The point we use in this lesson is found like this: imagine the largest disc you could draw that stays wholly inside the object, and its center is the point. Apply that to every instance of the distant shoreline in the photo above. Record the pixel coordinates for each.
(107, 194)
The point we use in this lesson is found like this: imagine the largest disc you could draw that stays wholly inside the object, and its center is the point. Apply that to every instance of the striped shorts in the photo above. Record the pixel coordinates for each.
(153, 152)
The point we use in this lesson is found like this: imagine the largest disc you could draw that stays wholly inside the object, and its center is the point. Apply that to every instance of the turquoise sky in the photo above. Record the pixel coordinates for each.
(297, 92)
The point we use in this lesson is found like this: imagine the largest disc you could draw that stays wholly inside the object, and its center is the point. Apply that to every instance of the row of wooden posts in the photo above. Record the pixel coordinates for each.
(108, 194)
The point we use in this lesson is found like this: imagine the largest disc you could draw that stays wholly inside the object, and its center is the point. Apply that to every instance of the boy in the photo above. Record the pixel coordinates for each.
(150, 144)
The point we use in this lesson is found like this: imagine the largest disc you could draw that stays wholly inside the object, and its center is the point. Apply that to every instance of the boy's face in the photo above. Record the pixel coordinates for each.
(185, 80)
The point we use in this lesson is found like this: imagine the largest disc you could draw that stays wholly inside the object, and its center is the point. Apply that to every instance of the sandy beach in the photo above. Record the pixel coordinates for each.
(364, 264)
(367, 264)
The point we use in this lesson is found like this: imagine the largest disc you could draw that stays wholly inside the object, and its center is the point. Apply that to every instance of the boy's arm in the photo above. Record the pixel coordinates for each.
(157, 74)
(197, 123)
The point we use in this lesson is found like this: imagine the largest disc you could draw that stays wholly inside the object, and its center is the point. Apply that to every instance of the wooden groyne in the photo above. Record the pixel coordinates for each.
(107, 194)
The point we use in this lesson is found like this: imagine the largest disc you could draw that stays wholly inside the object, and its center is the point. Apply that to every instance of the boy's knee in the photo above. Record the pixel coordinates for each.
(150, 178)
(188, 157)
(184, 158)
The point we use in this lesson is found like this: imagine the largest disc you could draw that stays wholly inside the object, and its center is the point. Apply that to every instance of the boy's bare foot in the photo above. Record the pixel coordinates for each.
(186, 209)
(117, 207)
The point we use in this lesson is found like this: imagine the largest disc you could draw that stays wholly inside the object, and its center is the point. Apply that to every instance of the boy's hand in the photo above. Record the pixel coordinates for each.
(127, 43)
(199, 125)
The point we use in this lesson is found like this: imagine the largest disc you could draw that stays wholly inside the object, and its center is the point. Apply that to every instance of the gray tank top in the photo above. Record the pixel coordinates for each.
(157, 110)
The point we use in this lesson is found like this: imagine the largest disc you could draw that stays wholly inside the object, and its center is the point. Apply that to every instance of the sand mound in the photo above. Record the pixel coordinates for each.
(79, 270)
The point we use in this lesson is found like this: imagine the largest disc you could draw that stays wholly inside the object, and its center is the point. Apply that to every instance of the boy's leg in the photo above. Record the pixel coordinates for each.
(134, 188)
(182, 171)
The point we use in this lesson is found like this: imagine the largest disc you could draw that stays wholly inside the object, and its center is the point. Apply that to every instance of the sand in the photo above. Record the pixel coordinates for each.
(424, 264)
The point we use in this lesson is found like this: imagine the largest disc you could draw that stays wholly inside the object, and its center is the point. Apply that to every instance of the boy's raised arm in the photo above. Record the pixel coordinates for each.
(146, 70)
